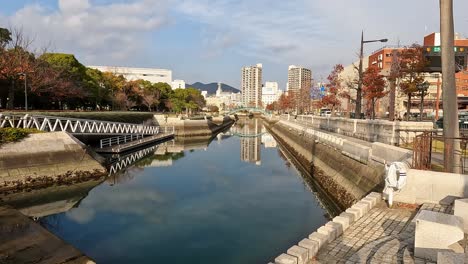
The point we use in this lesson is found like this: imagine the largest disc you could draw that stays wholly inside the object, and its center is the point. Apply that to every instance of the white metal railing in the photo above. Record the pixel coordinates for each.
(74, 125)
(130, 159)
(107, 142)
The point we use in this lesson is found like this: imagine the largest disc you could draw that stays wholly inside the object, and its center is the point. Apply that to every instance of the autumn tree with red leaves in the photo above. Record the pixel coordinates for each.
(331, 100)
(285, 102)
(374, 86)
(411, 72)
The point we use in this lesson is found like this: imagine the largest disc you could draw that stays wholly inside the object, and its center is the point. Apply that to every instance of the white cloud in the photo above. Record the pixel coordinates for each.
(108, 33)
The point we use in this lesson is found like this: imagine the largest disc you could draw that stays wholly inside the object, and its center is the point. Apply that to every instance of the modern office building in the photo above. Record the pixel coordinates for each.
(251, 85)
(148, 74)
(298, 78)
(270, 93)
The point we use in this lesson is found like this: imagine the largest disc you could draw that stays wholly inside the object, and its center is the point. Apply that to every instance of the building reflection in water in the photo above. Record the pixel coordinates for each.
(251, 141)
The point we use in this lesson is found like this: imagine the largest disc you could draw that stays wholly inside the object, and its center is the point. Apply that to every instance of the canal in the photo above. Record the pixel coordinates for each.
(232, 199)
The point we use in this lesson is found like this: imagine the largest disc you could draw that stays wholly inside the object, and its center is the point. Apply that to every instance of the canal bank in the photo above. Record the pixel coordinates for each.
(344, 179)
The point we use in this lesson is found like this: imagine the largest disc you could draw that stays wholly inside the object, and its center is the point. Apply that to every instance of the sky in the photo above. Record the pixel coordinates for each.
(210, 40)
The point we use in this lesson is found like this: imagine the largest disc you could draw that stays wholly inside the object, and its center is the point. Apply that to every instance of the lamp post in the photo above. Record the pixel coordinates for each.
(25, 90)
(357, 112)
(422, 88)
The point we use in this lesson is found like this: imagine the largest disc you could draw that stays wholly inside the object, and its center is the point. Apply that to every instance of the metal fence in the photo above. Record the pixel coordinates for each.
(428, 152)
(74, 125)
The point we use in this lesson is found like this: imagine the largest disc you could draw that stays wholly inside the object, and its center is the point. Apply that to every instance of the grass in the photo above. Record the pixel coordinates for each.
(9, 134)
(125, 117)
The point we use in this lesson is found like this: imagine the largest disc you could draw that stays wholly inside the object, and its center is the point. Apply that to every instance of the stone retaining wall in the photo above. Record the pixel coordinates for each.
(388, 132)
(432, 187)
(344, 178)
(47, 156)
(190, 128)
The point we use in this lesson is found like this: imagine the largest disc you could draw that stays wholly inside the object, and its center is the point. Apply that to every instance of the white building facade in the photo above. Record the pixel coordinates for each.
(251, 85)
(270, 93)
(131, 74)
(178, 84)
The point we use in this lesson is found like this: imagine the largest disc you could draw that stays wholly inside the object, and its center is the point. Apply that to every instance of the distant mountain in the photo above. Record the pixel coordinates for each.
(212, 87)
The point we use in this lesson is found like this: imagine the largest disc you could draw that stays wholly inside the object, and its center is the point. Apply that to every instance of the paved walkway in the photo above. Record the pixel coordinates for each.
(383, 235)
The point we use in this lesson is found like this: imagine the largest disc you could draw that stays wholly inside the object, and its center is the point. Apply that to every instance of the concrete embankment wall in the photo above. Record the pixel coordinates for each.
(388, 132)
(432, 187)
(190, 128)
(46, 158)
(344, 178)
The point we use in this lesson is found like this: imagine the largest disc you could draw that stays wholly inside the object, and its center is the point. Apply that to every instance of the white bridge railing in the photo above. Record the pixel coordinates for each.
(130, 159)
(74, 125)
(108, 142)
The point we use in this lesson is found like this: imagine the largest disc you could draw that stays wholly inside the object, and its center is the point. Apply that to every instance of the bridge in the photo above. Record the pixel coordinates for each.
(74, 125)
(125, 161)
(248, 109)
(243, 135)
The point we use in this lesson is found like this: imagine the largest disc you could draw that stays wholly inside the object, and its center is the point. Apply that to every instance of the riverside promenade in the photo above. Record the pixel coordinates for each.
(382, 235)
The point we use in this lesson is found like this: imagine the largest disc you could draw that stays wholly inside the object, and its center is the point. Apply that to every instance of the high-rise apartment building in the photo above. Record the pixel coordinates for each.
(298, 78)
(251, 85)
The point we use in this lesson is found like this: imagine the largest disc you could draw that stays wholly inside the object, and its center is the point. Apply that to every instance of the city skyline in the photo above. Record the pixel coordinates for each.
(181, 35)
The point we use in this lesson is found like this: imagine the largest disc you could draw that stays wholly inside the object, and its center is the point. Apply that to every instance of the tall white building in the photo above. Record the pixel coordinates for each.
(270, 93)
(251, 85)
(148, 74)
(298, 77)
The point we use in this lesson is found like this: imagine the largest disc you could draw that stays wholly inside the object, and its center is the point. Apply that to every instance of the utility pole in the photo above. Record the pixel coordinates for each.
(395, 68)
(449, 93)
(357, 112)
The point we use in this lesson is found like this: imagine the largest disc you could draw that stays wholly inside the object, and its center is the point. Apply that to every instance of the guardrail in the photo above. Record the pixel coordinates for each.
(74, 125)
(107, 142)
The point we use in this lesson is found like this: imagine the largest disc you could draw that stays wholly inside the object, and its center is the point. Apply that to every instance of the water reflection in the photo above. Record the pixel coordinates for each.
(195, 201)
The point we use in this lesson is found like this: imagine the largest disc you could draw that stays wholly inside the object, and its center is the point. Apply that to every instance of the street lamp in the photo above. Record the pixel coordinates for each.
(422, 88)
(25, 90)
(357, 112)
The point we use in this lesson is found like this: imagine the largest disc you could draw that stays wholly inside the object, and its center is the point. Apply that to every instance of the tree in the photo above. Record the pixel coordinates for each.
(374, 86)
(412, 65)
(285, 102)
(5, 37)
(334, 89)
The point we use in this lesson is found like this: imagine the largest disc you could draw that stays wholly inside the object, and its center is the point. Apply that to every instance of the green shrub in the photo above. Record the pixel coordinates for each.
(14, 134)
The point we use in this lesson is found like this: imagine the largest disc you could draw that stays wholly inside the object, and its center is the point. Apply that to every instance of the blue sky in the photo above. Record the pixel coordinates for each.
(210, 40)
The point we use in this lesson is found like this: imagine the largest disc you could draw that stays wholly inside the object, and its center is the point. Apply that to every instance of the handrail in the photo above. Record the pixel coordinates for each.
(74, 125)
(107, 142)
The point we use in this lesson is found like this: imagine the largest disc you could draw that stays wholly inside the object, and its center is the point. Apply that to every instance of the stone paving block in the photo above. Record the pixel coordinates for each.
(329, 231)
(368, 202)
(375, 194)
(437, 232)
(285, 259)
(450, 258)
(461, 210)
(362, 207)
(321, 239)
(338, 227)
(302, 254)
(351, 217)
(343, 221)
(372, 200)
(356, 212)
(311, 245)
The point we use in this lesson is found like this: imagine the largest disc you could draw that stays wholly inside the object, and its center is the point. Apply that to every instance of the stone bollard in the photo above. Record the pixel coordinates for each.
(437, 232)
(330, 232)
(285, 259)
(461, 210)
(321, 239)
(343, 221)
(302, 254)
(311, 245)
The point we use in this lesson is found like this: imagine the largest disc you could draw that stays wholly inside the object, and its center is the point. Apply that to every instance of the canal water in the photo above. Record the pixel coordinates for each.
(232, 199)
